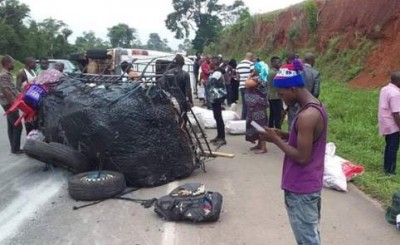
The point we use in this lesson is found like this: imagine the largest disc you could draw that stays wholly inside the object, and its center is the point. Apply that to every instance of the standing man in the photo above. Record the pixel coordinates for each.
(310, 75)
(8, 94)
(303, 164)
(43, 65)
(27, 75)
(179, 78)
(243, 69)
(275, 102)
(389, 121)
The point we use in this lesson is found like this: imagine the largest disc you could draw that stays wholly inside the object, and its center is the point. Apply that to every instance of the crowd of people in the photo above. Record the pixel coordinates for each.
(252, 79)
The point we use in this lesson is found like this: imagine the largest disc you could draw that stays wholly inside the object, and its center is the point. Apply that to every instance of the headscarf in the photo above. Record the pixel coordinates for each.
(262, 69)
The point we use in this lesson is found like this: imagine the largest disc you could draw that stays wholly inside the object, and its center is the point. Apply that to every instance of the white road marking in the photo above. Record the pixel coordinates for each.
(26, 204)
(169, 228)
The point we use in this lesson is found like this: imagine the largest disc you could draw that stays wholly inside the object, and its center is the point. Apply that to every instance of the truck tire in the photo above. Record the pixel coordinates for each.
(36, 150)
(96, 54)
(88, 187)
(67, 157)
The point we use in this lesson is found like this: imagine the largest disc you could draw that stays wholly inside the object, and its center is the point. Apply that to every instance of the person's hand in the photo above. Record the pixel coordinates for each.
(270, 134)
(24, 84)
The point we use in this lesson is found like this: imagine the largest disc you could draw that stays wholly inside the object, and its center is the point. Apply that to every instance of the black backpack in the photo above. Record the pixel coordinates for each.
(190, 202)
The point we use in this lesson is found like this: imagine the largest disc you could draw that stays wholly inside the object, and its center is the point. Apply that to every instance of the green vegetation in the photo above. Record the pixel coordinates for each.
(293, 34)
(343, 65)
(353, 127)
(353, 124)
(311, 10)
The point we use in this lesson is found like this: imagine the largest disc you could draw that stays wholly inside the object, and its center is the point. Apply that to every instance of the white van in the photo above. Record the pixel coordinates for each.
(148, 63)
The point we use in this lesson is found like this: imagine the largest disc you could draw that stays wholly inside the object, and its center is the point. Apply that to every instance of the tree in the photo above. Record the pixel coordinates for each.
(54, 34)
(205, 17)
(12, 14)
(155, 43)
(35, 41)
(233, 13)
(123, 36)
(88, 40)
(186, 46)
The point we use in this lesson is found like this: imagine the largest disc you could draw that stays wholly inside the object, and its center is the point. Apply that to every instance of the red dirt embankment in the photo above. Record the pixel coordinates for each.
(377, 20)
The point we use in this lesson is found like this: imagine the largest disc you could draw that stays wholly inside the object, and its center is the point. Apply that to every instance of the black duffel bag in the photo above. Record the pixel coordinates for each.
(190, 202)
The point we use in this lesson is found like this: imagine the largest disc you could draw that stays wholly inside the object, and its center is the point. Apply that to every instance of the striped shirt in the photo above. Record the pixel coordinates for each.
(243, 69)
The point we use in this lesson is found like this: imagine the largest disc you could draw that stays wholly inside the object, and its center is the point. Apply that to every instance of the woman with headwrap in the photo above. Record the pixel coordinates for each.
(257, 103)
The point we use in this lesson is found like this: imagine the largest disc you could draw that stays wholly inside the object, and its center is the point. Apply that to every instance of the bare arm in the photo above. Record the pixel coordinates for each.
(306, 124)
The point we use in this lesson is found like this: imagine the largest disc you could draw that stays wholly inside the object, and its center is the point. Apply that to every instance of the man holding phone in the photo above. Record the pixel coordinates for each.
(304, 148)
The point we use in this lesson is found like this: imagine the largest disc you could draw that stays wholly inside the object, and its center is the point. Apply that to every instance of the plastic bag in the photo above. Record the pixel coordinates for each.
(236, 127)
(334, 177)
(351, 170)
(208, 116)
(338, 171)
(35, 135)
(197, 127)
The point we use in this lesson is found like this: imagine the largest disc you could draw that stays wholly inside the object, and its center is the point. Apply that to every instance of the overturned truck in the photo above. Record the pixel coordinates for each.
(131, 128)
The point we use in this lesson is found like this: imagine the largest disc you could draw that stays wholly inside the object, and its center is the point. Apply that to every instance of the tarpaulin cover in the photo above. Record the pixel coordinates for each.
(135, 130)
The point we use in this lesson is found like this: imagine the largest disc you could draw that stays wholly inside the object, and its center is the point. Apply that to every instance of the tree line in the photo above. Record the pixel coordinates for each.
(22, 36)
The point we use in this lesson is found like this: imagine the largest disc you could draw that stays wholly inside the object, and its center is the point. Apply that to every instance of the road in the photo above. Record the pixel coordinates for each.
(35, 207)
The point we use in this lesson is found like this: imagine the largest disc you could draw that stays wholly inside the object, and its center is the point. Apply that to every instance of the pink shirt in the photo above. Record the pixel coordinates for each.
(389, 103)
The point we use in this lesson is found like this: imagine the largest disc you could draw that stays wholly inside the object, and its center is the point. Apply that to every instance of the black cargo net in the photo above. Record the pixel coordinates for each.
(134, 129)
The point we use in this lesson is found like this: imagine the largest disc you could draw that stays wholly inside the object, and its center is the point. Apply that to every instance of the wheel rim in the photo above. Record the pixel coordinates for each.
(94, 176)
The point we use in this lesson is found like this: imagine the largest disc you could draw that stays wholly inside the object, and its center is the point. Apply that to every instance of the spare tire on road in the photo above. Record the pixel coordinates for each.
(67, 157)
(37, 150)
(89, 186)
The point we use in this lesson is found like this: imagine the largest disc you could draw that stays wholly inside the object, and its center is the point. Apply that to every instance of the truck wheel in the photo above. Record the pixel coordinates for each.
(96, 54)
(67, 157)
(89, 186)
(36, 150)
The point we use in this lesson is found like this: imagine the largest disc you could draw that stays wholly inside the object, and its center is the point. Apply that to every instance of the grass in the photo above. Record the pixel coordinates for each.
(352, 113)
(353, 127)
(18, 66)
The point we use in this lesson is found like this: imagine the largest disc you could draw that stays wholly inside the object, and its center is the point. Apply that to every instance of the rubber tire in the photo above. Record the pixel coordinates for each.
(66, 157)
(36, 150)
(80, 189)
(96, 54)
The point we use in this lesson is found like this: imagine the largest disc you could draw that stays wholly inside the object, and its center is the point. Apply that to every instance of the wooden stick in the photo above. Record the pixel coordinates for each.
(219, 154)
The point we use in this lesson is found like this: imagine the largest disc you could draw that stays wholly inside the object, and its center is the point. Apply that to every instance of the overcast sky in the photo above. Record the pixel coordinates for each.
(146, 16)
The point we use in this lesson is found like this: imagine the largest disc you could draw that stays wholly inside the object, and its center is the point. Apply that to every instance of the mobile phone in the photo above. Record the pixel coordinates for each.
(257, 126)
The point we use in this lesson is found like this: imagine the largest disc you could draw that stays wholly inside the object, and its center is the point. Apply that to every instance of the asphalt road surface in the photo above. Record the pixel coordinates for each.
(35, 207)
